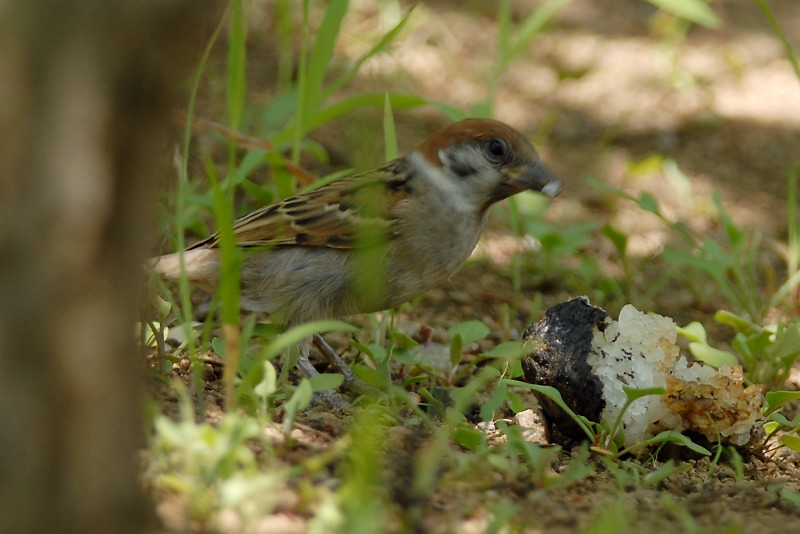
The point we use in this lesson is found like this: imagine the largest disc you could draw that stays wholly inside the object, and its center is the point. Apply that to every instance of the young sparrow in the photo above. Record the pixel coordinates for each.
(377, 239)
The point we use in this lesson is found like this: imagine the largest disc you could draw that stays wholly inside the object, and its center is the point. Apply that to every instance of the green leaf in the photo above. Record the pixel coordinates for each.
(516, 369)
(617, 238)
(325, 381)
(219, 347)
(470, 331)
(776, 399)
(696, 11)
(261, 194)
(679, 180)
(637, 393)
(649, 203)
(694, 331)
(468, 437)
(268, 330)
(368, 375)
(375, 351)
(677, 438)
(712, 356)
(299, 400)
(793, 442)
(251, 161)
(788, 495)
(464, 397)
(786, 345)
(607, 188)
(661, 473)
(515, 403)
(402, 341)
(744, 347)
(780, 419)
(298, 333)
(736, 235)
(456, 346)
(770, 427)
(499, 396)
(578, 469)
(268, 385)
(649, 165)
(510, 350)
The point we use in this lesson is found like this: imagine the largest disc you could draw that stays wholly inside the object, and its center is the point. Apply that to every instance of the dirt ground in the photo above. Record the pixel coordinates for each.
(604, 87)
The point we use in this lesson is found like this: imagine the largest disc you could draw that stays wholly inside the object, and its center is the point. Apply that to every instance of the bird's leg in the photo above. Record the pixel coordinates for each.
(303, 363)
(334, 359)
(351, 382)
(332, 398)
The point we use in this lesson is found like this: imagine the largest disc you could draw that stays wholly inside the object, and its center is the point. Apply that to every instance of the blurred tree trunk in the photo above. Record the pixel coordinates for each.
(85, 87)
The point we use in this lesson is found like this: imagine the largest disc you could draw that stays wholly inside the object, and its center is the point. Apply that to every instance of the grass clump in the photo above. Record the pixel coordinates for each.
(431, 426)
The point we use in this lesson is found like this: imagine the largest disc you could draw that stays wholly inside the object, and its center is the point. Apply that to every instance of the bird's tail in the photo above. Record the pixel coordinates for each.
(201, 266)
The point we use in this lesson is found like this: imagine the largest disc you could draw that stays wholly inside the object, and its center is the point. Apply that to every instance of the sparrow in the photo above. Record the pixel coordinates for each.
(373, 240)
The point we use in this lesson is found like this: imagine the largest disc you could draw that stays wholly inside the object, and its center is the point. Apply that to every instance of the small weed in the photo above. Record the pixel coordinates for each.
(212, 467)
(789, 429)
(607, 439)
(767, 353)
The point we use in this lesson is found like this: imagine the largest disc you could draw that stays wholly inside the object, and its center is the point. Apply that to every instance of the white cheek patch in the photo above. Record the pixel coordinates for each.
(442, 184)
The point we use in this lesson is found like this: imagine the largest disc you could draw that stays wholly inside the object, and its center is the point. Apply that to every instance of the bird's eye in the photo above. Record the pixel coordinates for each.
(497, 148)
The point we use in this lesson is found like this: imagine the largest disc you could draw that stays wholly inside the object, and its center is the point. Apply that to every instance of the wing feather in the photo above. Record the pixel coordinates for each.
(350, 212)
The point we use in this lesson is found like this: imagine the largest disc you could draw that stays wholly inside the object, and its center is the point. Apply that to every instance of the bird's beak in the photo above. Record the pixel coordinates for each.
(534, 177)
(541, 180)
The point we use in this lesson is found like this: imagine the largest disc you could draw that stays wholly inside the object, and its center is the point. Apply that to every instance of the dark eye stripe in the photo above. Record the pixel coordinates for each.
(462, 169)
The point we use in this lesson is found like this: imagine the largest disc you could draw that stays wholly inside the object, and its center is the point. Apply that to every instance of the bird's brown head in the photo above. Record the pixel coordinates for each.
(492, 158)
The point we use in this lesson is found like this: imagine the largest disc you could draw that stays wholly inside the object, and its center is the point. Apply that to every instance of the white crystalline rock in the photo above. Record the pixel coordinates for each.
(640, 351)
(636, 351)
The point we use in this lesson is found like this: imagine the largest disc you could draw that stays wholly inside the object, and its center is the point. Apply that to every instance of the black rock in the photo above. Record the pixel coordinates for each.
(555, 355)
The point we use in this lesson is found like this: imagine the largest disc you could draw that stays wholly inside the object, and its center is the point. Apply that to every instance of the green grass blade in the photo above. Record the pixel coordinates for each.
(554, 395)
(696, 11)
(237, 65)
(295, 128)
(377, 48)
(532, 26)
(389, 131)
(320, 57)
(779, 32)
(504, 30)
(230, 274)
(348, 105)
(298, 333)
(183, 173)
(283, 24)
(791, 220)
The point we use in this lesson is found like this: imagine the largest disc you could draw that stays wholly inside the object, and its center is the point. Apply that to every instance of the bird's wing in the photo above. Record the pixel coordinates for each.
(350, 212)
